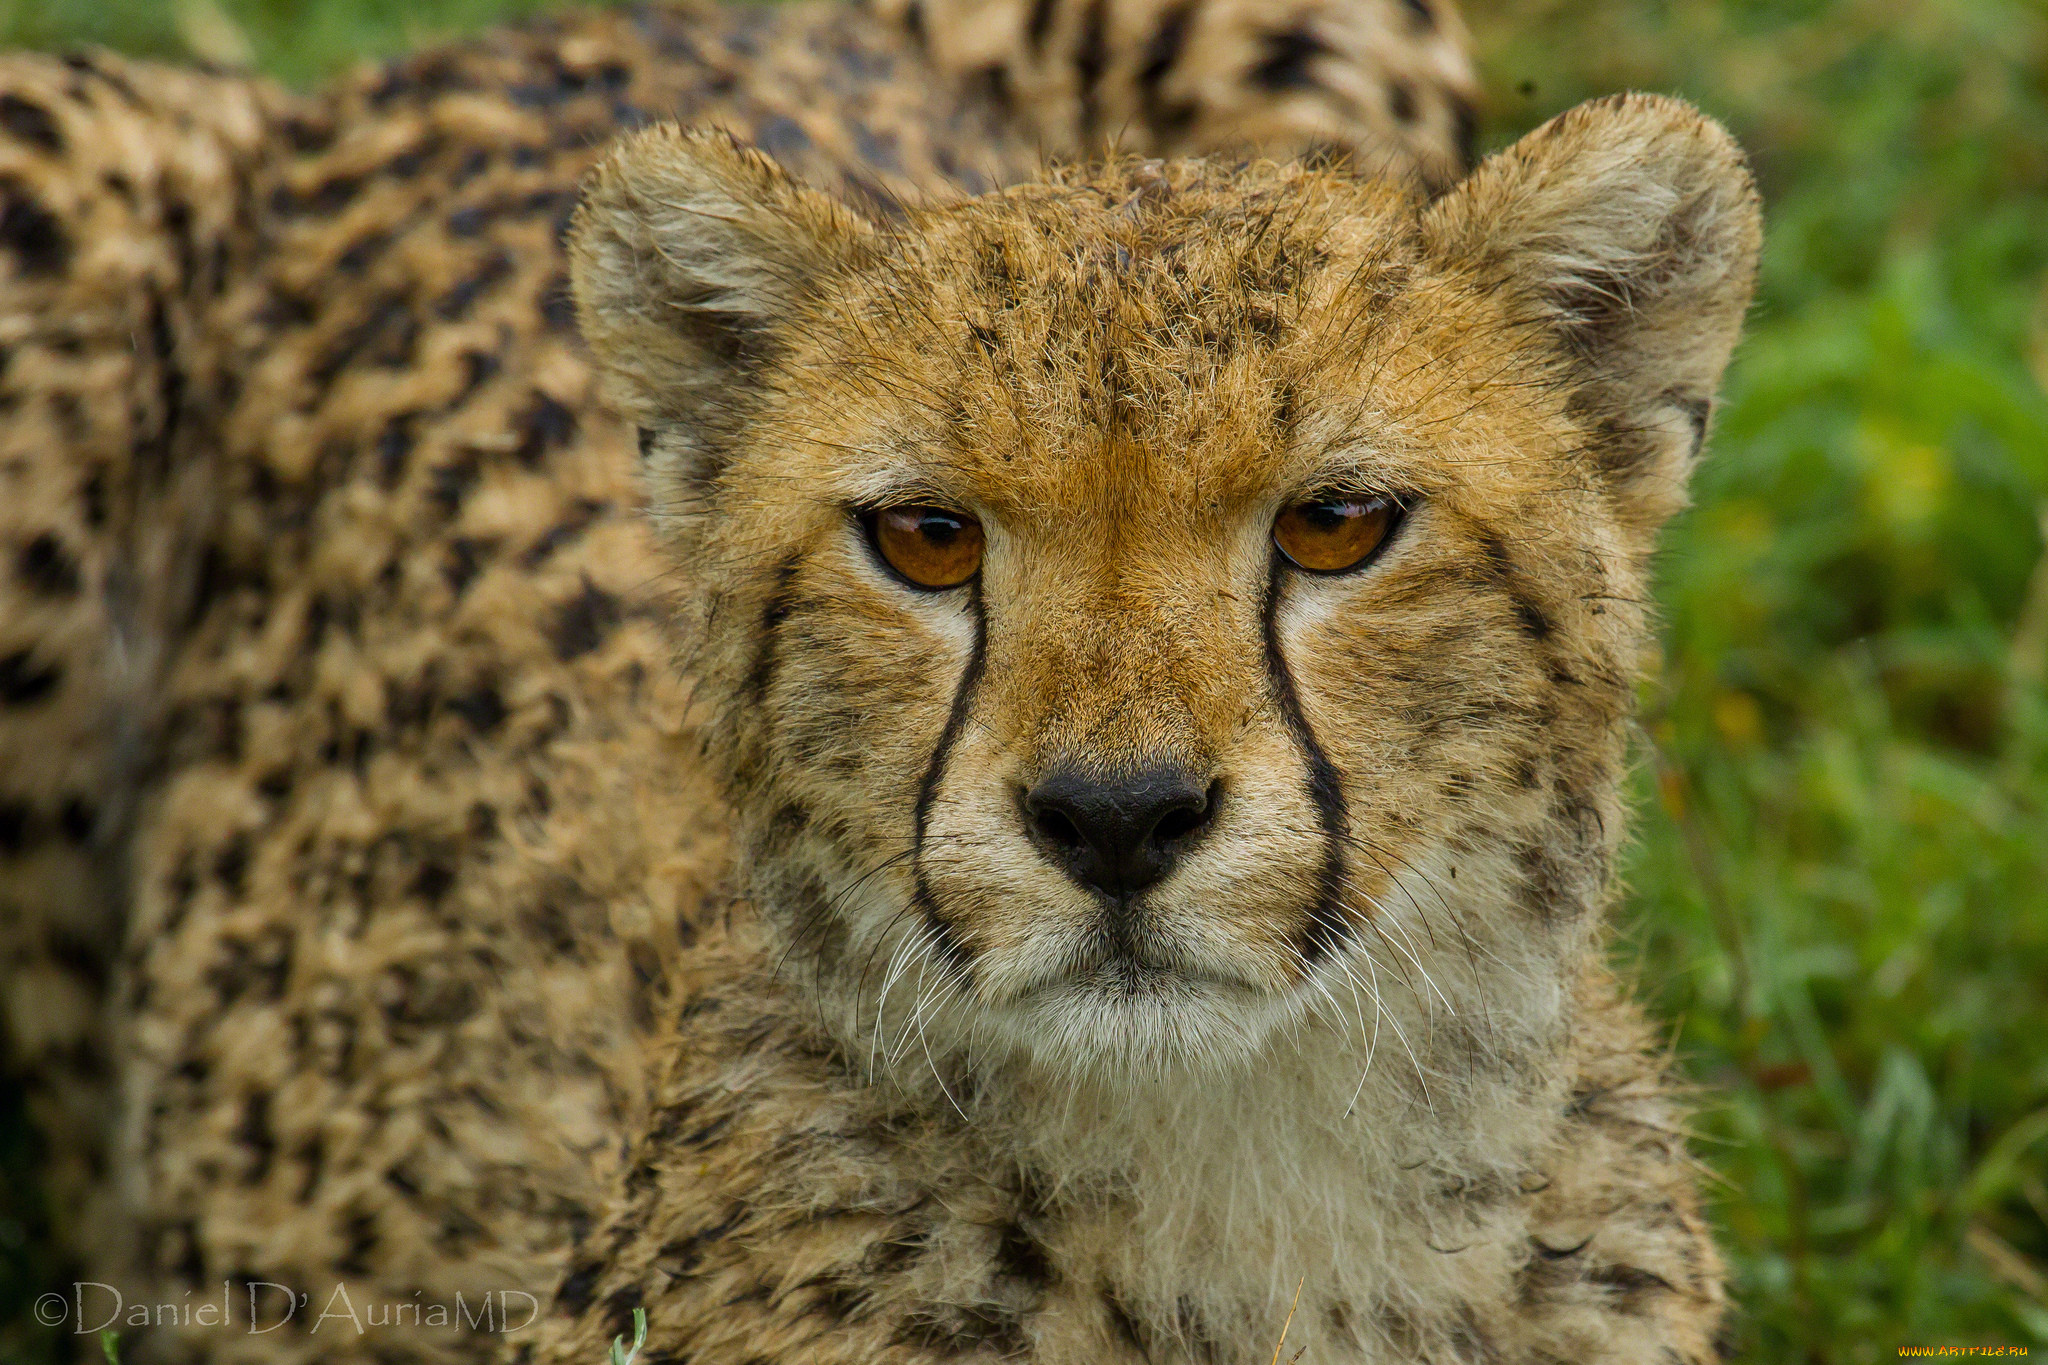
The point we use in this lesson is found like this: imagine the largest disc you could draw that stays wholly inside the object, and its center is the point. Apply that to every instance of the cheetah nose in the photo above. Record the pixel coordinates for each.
(1121, 834)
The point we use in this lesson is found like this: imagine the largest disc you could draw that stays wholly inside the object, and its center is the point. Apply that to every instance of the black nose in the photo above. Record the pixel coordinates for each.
(1117, 835)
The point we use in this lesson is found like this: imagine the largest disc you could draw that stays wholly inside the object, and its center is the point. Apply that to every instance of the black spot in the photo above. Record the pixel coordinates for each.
(21, 682)
(433, 881)
(483, 708)
(1165, 117)
(1091, 60)
(472, 166)
(409, 704)
(545, 425)
(47, 567)
(584, 621)
(618, 1311)
(478, 368)
(330, 196)
(361, 1231)
(1464, 131)
(465, 560)
(94, 496)
(1286, 61)
(455, 304)
(1040, 24)
(1531, 618)
(394, 448)
(1421, 13)
(179, 1251)
(83, 959)
(1020, 1256)
(408, 163)
(913, 20)
(231, 864)
(30, 123)
(448, 484)
(253, 1132)
(32, 233)
(361, 252)
(1401, 101)
(471, 220)
(387, 332)
(75, 820)
(993, 81)
(782, 137)
(16, 822)
(578, 520)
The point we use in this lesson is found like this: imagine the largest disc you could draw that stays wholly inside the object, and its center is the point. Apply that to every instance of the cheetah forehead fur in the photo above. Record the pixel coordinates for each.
(444, 852)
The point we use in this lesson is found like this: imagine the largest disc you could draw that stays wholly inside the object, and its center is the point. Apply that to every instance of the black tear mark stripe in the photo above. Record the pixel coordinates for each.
(1327, 926)
(950, 946)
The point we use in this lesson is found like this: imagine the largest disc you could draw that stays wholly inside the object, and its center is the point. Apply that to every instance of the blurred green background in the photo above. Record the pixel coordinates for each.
(1839, 894)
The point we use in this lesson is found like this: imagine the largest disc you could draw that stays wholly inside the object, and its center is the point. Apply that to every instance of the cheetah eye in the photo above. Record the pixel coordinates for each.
(931, 547)
(1335, 533)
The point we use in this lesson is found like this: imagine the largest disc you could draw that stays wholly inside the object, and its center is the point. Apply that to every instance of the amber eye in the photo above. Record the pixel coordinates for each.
(1332, 534)
(929, 546)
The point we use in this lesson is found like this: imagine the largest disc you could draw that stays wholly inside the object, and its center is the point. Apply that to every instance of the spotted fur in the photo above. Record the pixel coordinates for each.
(355, 851)
(1359, 1042)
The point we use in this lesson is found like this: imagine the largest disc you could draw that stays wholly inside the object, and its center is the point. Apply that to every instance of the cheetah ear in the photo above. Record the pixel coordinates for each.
(1628, 229)
(690, 256)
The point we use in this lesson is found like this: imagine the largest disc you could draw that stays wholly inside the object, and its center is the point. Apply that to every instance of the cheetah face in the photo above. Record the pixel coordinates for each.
(1144, 606)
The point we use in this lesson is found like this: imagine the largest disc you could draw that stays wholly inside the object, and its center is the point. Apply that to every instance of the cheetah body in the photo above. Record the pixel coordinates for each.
(394, 898)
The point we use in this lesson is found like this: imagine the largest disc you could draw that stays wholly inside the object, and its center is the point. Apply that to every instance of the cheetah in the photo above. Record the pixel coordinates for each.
(1054, 803)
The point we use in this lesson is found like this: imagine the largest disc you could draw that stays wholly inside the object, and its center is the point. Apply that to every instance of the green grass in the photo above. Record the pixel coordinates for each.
(1840, 892)
(1841, 885)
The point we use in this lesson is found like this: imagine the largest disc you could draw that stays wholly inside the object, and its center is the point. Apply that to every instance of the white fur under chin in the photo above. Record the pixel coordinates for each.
(1251, 1145)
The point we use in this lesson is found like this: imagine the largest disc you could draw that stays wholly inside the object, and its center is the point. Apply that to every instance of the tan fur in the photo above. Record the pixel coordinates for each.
(1388, 81)
(354, 851)
(975, 1127)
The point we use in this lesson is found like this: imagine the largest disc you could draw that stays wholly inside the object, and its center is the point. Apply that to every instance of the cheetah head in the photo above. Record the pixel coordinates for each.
(1171, 603)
